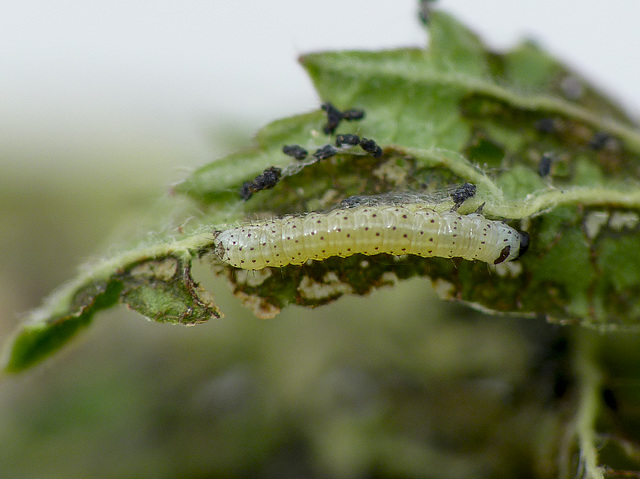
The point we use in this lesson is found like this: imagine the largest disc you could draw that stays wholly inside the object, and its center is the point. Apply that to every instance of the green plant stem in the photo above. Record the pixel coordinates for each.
(589, 383)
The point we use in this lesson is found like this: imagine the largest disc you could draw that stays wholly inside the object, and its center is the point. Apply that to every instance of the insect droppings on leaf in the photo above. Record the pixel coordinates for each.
(371, 147)
(295, 151)
(268, 179)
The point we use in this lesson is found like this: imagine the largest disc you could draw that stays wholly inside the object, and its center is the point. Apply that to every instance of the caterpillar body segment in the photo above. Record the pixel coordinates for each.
(369, 230)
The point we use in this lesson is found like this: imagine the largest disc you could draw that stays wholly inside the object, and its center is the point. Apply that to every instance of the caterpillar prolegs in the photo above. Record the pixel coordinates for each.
(369, 230)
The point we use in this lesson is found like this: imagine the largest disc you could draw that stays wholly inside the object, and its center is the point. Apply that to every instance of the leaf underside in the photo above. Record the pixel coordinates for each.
(449, 114)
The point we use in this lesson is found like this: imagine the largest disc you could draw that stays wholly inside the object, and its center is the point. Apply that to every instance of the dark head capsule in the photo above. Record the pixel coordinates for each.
(524, 243)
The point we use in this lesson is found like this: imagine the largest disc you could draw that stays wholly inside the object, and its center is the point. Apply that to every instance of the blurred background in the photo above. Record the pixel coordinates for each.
(105, 105)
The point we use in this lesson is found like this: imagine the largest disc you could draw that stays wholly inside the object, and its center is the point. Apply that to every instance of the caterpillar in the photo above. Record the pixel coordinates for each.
(369, 230)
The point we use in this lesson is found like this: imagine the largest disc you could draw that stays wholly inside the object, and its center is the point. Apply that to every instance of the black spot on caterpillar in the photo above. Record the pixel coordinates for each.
(369, 230)
(295, 151)
(268, 179)
(335, 116)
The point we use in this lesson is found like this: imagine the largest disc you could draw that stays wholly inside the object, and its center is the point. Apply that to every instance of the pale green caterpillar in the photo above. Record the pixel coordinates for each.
(369, 230)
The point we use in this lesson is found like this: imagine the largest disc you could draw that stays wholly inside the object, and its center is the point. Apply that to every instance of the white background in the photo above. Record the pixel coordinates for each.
(123, 82)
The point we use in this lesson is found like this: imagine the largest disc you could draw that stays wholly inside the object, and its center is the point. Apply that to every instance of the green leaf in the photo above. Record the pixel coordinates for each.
(37, 340)
(452, 113)
(155, 281)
